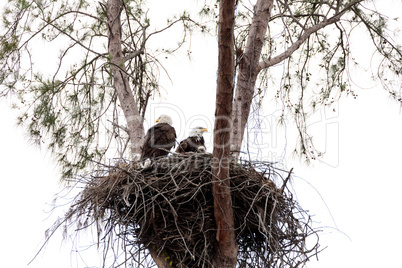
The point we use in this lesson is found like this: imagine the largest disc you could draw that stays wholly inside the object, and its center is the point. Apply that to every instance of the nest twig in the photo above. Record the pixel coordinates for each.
(169, 208)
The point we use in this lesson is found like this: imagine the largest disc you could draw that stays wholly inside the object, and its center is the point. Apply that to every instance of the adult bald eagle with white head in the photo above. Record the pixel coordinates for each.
(194, 143)
(159, 139)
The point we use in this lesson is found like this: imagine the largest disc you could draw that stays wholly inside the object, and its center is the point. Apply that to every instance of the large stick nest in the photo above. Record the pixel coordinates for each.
(169, 209)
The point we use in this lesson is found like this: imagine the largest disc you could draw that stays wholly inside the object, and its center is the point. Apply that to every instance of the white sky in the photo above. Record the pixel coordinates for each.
(354, 193)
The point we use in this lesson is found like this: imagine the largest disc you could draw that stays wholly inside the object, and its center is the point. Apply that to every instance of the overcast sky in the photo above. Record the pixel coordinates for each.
(353, 193)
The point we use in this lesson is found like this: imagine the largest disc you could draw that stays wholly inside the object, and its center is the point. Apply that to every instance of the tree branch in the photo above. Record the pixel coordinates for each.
(248, 72)
(51, 23)
(120, 77)
(134, 54)
(275, 60)
(75, 40)
(118, 126)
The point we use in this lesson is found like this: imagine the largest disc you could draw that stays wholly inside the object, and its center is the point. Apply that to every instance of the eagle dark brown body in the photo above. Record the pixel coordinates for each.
(158, 141)
(191, 144)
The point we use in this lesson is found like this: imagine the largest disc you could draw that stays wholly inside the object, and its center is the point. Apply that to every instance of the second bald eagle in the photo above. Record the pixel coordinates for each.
(194, 143)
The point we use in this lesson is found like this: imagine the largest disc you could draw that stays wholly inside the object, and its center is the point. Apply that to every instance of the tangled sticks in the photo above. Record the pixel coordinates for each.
(169, 208)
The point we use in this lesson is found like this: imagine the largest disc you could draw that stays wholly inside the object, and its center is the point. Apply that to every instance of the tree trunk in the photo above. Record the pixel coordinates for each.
(223, 210)
(120, 78)
(248, 72)
(126, 97)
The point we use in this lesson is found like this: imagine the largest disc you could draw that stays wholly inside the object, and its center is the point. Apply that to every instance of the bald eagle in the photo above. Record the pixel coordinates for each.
(159, 139)
(194, 143)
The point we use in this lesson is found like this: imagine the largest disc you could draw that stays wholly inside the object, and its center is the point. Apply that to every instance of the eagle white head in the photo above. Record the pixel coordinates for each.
(198, 131)
(164, 119)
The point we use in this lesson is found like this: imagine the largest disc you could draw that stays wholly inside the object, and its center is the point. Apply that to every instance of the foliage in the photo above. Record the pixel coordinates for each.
(78, 89)
(72, 106)
(308, 62)
(321, 71)
(70, 103)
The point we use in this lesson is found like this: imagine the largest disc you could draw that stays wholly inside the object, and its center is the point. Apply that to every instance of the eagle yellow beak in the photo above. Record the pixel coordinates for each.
(204, 130)
(157, 120)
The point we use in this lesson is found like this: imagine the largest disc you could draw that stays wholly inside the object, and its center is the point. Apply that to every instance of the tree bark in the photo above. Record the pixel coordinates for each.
(223, 210)
(120, 78)
(124, 93)
(248, 72)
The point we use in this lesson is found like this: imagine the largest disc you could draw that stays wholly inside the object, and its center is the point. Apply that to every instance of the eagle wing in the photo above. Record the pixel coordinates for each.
(190, 144)
(158, 141)
(182, 147)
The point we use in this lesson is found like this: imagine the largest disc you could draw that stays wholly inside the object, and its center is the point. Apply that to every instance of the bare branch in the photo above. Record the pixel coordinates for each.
(307, 33)
(134, 54)
(118, 126)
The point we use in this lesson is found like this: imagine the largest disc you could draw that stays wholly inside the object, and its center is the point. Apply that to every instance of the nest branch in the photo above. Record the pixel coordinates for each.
(168, 208)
